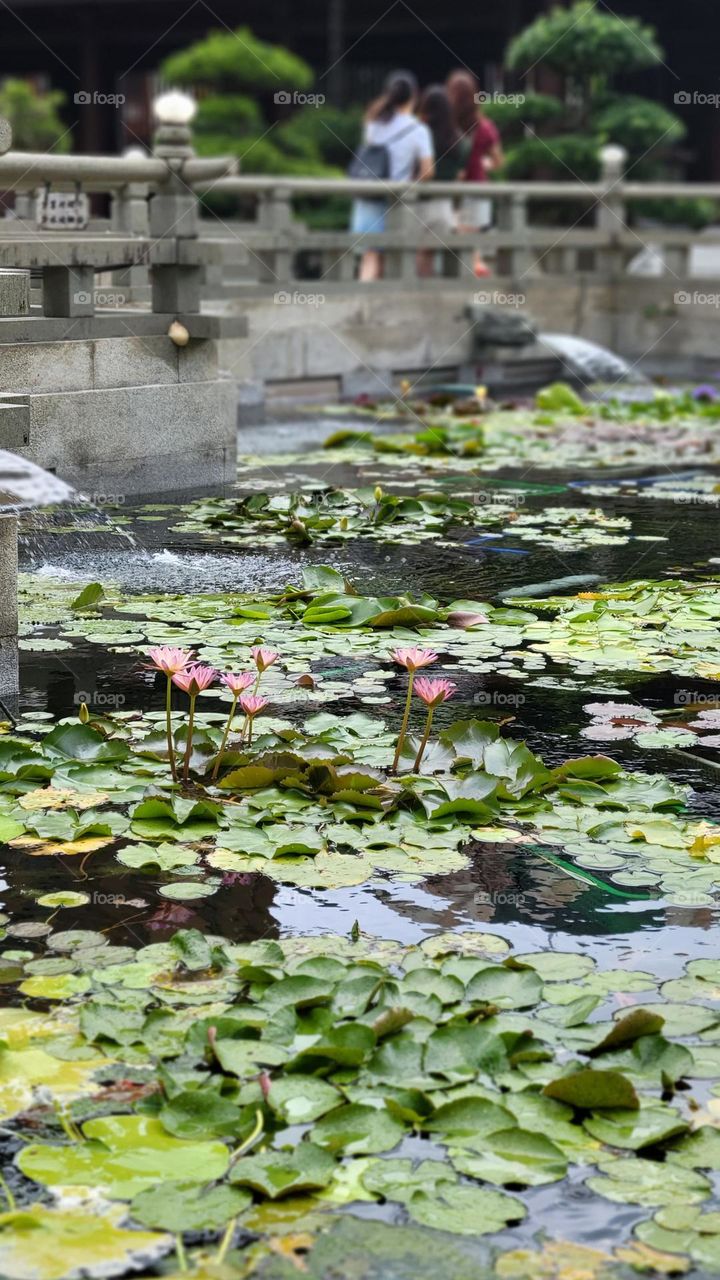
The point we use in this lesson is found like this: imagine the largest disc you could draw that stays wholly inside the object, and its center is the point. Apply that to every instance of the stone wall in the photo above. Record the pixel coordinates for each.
(364, 337)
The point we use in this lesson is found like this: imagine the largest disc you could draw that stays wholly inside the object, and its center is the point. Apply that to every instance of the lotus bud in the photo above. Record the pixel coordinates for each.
(377, 493)
(83, 713)
(462, 621)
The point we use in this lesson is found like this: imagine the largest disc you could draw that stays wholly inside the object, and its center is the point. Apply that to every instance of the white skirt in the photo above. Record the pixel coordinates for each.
(476, 212)
(438, 214)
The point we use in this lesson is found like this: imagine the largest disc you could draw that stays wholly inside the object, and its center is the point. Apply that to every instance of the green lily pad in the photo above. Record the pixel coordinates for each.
(590, 1090)
(465, 1210)
(123, 1155)
(648, 1182)
(184, 1206)
(358, 1130)
(512, 1157)
(282, 1173)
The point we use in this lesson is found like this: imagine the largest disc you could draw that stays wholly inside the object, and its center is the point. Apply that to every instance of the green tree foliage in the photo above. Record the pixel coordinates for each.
(226, 61)
(589, 47)
(34, 117)
(239, 80)
(585, 43)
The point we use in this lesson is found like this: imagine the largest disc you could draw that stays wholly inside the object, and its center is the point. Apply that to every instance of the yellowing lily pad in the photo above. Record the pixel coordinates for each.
(48, 1244)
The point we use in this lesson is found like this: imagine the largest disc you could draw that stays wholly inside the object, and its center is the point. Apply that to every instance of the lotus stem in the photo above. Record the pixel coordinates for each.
(180, 1251)
(426, 735)
(214, 774)
(68, 1126)
(168, 728)
(405, 722)
(249, 729)
(225, 1242)
(250, 1140)
(188, 745)
(11, 1203)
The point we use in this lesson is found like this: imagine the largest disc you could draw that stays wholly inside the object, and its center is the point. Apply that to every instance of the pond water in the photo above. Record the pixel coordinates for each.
(533, 903)
(530, 895)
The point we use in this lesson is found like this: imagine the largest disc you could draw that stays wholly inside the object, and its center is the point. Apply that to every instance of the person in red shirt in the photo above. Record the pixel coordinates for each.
(486, 153)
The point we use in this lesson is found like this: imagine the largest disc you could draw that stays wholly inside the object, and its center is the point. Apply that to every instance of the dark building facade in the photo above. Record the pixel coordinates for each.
(101, 51)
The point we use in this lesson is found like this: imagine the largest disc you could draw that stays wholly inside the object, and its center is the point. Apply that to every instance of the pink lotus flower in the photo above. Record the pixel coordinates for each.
(415, 658)
(263, 658)
(433, 692)
(168, 660)
(195, 679)
(252, 703)
(171, 662)
(237, 684)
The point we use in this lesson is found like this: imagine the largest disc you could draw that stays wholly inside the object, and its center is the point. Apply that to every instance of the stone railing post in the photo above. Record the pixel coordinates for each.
(405, 217)
(611, 210)
(129, 210)
(515, 260)
(174, 209)
(275, 215)
(130, 215)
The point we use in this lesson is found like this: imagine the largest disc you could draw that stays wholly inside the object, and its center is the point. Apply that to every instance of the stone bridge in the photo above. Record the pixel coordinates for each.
(130, 333)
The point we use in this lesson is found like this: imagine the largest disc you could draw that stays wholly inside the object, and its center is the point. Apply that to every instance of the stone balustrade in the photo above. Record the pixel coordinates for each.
(538, 228)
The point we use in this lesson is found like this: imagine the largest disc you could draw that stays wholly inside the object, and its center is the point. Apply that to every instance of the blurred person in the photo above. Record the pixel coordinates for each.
(452, 153)
(486, 154)
(396, 147)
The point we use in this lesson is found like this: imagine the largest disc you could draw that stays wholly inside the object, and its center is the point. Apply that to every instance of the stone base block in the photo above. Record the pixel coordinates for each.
(8, 576)
(137, 439)
(9, 675)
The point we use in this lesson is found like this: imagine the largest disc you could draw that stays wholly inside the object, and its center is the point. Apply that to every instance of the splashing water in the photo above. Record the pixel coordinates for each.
(588, 360)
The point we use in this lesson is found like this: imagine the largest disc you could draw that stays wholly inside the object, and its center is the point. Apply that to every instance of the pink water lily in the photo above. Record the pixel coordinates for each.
(170, 661)
(252, 704)
(432, 693)
(413, 659)
(237, 684)
(263, 658)
(193, 681)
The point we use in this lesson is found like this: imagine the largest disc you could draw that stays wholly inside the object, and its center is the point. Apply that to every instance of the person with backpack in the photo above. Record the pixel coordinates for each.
(396, 147)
